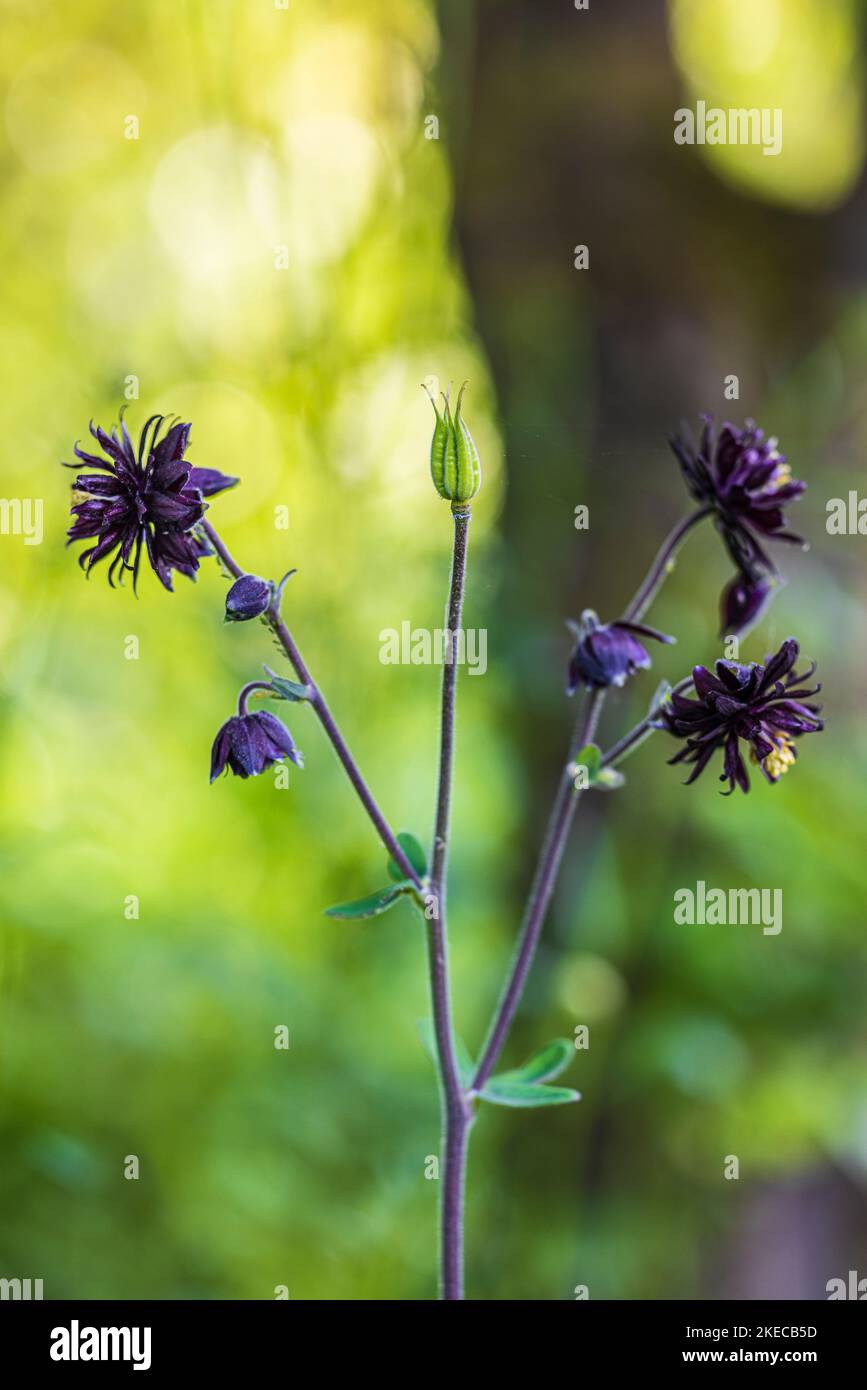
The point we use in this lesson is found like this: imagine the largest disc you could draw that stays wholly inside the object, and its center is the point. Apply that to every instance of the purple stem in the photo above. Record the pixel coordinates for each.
(324, 715)
(245, 693)
(556, 835)
(641, 731)
(457, 1115)
(562, 816)
(662, 565)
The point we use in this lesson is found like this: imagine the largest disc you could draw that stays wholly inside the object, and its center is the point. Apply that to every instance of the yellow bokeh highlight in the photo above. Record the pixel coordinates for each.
(788, 55)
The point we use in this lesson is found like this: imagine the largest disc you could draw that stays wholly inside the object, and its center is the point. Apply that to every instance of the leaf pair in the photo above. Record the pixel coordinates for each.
(384, 898)
(521, 1087)
(599, 778)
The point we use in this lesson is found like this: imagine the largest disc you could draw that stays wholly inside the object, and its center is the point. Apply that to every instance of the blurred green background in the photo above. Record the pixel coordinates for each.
(274, 249)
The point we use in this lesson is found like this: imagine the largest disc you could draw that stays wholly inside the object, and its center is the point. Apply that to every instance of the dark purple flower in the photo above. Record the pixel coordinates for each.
(765, 705)
(607, 654)
(249, 597)
(743, 602)
(250, 743)
(747, 481)
(150, 497)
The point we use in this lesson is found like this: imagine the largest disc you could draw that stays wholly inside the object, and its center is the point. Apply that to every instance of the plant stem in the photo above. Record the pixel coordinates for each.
(247, 691)
(323, 714)
(556, 836)
(457, 1115)
(662, 565)
(629, 742)
(562, 816)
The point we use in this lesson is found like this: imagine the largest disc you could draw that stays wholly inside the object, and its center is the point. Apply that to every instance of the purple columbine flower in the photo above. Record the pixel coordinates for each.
(249, 597)
(748, 482)
(607, 654)
(765, 705)
(743, 602)
(148, 498)
(251, 743)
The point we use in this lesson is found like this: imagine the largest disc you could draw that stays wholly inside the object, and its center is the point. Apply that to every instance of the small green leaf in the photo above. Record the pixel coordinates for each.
(289, 690)
(608, 779)
(414, 853)
(503, 1090)
(466, 1065)
(370, 906)
(589, 757)
(601, 778)
(543, 1065)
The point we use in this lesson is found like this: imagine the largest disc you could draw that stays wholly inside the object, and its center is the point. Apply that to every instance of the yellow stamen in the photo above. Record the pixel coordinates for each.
(779, 760)
(782, 476)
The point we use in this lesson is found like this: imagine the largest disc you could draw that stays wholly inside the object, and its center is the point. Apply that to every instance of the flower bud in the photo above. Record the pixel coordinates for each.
(249, 597)
(608, 653)
(743, 602)
(455, 465)
(251, 743)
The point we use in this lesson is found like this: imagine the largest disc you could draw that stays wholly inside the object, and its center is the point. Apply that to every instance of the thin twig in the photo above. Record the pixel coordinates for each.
(323, 713)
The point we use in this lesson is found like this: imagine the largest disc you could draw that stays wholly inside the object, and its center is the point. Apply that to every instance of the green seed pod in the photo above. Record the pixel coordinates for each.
(454, 459)
(438, 447)
(468, 474)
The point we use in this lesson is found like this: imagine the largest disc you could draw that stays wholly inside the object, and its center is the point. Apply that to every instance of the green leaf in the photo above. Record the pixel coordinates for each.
(543, 1065)
(370, 906)
(466, 1065)
(290, 690)
(414, 853)
(589, 757)
(604, 779)
(504, 1090)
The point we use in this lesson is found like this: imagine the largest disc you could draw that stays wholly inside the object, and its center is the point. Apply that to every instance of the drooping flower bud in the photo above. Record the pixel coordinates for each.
(249, 597)
(607, 653)
(743, 602)
(251, 743)
(455, 465)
